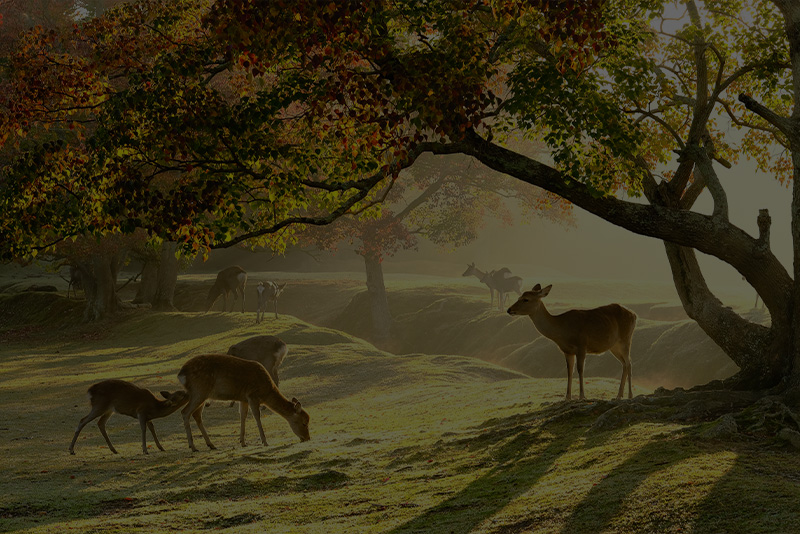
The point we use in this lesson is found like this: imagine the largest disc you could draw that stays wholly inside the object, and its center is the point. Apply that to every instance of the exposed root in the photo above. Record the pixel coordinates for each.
(735, 414)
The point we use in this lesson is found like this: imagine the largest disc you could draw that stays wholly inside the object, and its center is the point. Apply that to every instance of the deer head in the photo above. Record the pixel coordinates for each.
(299, 421)
(529, 301)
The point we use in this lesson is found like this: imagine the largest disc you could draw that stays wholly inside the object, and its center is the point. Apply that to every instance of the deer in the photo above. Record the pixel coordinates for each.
(581, 332)
(225, 377)
(125, 398)
(498, 280)
(268, 292)
(269, 351)
(231, 279)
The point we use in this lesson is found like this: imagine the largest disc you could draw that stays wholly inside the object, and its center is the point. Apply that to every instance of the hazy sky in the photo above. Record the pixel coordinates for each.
(595, 248)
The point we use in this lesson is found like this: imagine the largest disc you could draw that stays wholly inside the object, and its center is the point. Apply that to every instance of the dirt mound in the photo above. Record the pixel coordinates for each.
(33, 310)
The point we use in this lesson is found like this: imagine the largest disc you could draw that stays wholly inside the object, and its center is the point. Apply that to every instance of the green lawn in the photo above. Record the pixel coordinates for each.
(411, 443)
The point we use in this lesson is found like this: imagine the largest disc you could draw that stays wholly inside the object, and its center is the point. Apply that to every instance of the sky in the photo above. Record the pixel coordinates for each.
(594, 248)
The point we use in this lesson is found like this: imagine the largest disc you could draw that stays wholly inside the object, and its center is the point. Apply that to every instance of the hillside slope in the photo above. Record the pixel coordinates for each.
(400, 444)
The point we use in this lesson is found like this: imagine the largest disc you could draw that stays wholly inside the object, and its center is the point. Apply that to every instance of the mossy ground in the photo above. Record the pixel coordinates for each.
(410, 443)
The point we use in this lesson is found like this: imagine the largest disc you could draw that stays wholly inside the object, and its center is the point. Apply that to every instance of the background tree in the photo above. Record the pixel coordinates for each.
(161, 264)
(446, 201)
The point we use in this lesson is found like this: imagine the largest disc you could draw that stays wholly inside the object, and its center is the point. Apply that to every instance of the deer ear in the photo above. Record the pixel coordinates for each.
(297, 406)
(537, 287)
(546, 290)
(282, 285)
(165, 394)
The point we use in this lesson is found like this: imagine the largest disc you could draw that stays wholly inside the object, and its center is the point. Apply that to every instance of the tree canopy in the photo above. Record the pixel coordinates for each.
(216, 123)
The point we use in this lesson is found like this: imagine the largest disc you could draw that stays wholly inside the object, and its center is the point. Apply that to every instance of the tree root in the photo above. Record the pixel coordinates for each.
(735, 414)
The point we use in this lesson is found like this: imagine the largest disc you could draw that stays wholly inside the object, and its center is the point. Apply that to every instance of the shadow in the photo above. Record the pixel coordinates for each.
(760, 493)
(519, 469)
(606, 499)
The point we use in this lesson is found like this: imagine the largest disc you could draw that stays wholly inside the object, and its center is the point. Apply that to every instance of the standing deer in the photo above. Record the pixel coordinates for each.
(119, 396)
(231, 279)
(269, 351)
(499, 281)
(578, 332)
(268, 292)
(224, 377)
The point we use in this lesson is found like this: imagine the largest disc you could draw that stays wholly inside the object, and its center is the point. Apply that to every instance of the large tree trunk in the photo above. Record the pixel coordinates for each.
(761, 352)
(99, 277)
(379, 304)
(167, 277)
(159, 278)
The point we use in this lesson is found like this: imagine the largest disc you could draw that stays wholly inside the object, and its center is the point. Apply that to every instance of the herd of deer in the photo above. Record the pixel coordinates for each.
(248, 373)
(233, 280)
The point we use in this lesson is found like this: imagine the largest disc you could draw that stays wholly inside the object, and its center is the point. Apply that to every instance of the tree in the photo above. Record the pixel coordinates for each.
(302, 115)
(160, 266)
(98, 263)
(443, 200)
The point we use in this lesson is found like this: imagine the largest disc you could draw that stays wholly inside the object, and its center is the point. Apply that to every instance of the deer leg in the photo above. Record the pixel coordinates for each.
(581, 355)
(242, 293)
(255, 408)
(194, 409)
(570, 366)
(186, 413)
(242, 419)
(153, 432)
(622, 354)
(101, 424)
(276, 308)
(83, 422)
(143, 425)
(198, 417)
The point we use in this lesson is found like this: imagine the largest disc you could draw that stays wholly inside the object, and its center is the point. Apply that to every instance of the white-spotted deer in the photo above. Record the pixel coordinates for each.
(231, 279)
(269, 351)
(581, 332)
(119, 396)
(224, 377)
(268, 292)
(500, 281)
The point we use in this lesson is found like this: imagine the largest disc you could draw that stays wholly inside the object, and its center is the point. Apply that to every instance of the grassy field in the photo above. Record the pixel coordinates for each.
(400, 443)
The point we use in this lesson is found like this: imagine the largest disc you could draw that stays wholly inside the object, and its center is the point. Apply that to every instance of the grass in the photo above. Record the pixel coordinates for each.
(400, 444)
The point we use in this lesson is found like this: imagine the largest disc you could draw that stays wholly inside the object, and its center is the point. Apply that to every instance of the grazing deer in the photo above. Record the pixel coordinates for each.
(119, 396)
(268, 292)
(224, 377)
(231, 279)
(269, 351)
(578, 332)
(499, 281)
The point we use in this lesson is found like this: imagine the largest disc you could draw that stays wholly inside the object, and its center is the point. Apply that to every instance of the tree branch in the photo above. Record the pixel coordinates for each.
(784, 124)
(713, 236)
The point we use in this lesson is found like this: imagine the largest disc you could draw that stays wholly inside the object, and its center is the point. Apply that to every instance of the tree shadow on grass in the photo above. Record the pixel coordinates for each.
(606, 499)
(519, 469)
(760, 493)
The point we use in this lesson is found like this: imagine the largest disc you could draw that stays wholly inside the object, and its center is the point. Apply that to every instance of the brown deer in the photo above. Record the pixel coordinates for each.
(119, 396)
(224, 377)
(269, 351)
(231, 279)
(499, 280)
(268, 292)
(578, 332)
